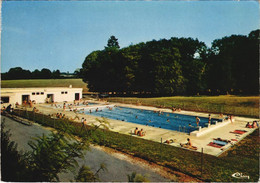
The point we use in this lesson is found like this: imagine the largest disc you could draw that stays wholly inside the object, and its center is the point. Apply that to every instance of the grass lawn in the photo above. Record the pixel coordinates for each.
(226, 104)
(76, 83)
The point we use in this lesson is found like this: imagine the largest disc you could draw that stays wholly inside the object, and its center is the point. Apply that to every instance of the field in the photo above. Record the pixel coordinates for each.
(76, 83)
(226, 104)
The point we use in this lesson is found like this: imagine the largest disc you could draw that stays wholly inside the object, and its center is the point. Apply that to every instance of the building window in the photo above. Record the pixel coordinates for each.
(4, 100)
(33, 93)
(38, 93)
(42, 93)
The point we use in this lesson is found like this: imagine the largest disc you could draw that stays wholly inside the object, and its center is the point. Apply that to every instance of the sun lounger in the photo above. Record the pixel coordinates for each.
(212, 144)
(223, 140)
(239, 132)
(222, 143)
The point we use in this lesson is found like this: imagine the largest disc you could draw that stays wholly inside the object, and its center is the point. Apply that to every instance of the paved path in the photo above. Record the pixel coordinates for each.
(118, 167)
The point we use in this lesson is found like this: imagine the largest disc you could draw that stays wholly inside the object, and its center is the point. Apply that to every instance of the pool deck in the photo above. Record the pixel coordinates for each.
(158, 134)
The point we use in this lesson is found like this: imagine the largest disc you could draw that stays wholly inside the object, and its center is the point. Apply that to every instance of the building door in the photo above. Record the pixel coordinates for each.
(76, 96)
(25, 98)
(50, 98)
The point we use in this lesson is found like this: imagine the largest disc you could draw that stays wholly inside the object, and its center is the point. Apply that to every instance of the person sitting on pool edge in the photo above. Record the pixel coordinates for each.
(136, 131)
(248, 125)
(254, 124)
(141, 133)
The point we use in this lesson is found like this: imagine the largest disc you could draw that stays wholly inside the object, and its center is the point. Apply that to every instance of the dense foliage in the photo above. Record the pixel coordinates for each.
(177, 66)
(50, 155)
(12, 163)
(20, 73)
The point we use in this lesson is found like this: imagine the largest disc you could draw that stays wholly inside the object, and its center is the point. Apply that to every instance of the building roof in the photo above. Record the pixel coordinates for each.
(43, 89)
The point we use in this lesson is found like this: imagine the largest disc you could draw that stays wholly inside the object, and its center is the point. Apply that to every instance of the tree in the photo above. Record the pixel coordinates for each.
(55, 74)
(90, 70)
(134, 177)
(45, 74)
(86, 175)
(130, 58)
(18, 73)
(36, 74)
(194, 62)
(234, 64)
(54, 154)
(13, 167)
(168, 78)
(50, 155)
(112, 43)
(183, 66)
(78, 73)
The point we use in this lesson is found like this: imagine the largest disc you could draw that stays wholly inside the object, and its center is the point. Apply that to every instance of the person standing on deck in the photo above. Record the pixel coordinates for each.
(82, 122)
(64, 107)
(209, 118)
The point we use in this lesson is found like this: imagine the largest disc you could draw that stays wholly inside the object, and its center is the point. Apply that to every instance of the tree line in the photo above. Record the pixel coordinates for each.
(20, 73)
(176, 66)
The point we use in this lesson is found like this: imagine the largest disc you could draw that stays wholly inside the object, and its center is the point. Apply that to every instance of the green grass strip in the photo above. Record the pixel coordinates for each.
(226, 104)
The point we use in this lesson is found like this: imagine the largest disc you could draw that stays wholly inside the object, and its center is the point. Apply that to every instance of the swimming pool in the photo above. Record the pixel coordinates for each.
(170, 121)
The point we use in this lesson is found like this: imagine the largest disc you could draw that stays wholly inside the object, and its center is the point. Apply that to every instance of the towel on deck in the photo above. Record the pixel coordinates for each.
(212, 144)
(239, 132)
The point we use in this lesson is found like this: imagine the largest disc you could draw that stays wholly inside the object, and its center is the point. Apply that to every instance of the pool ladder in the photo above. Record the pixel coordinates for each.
(182, 129)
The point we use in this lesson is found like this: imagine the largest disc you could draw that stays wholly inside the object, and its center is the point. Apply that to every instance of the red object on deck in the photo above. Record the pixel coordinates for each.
(214, 145)
(239, 131)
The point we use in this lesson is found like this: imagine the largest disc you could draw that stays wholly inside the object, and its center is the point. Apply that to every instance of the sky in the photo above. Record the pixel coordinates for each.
(60, 34)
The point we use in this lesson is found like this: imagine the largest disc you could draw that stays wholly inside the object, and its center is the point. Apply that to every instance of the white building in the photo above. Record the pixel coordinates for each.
(40, 95)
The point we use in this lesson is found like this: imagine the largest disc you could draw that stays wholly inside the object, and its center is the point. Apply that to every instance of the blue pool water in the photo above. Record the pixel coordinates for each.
(170, 121)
